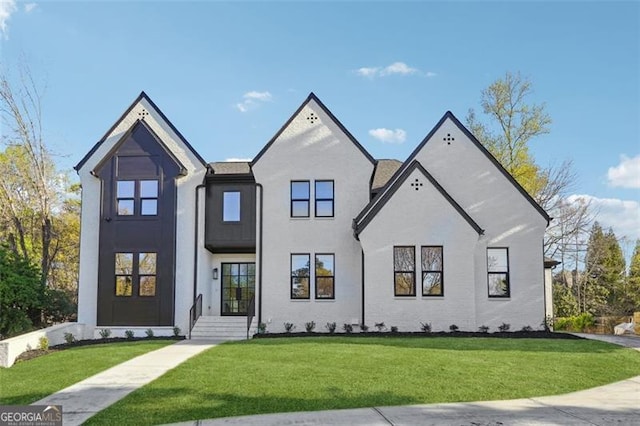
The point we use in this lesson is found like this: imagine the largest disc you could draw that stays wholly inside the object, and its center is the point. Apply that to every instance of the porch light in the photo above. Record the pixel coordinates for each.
(215, 273)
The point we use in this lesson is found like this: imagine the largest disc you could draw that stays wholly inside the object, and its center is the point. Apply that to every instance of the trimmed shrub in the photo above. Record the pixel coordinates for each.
(43, 343)
(68, 337)
(262, 328)
(483, 329)
(176, 331)
(504, 327)
(309, 326)
(348, 328)
(105, 333)
(426, 327)
(380, 326)
(128, 334)
(453, 328)
(331, 326)
(149, 332)
(289, 327)
(394, 329)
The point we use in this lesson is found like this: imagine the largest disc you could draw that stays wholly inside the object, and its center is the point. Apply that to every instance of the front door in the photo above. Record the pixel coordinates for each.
(238, 287)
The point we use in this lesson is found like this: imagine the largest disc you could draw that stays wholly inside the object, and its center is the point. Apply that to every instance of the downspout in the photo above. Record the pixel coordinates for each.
(195, 242)
(362, 288)
(259, 185)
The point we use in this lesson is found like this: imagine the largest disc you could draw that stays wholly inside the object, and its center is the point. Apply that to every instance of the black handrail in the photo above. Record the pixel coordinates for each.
(251, 311)
(195, 312)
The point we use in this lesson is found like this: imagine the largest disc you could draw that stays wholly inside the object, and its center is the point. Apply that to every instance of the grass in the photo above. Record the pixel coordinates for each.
(29, 381)
(284, 375)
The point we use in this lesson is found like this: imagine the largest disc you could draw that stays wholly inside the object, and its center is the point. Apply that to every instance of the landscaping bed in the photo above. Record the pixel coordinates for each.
(536, 334)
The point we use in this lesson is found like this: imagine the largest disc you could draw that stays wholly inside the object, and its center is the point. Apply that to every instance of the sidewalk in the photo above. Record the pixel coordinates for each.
(86, 398)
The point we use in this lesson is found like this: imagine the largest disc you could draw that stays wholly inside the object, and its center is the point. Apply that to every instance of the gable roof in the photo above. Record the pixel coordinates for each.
(313, 97)
(141, 96)
(369, 212)
(463, 129)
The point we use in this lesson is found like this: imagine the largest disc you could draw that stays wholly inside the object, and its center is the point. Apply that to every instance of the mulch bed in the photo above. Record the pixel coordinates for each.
(536, 334)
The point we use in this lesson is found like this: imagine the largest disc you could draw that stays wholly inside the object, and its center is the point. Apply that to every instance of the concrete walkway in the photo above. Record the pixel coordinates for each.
(86, 398)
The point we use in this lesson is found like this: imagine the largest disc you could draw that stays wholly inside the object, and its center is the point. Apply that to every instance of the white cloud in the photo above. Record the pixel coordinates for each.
(238, 160)
(621, 215)
(29, 7)
(7, 7)
(396, 68)
(388, 135)
(252, 99)
(626, 174)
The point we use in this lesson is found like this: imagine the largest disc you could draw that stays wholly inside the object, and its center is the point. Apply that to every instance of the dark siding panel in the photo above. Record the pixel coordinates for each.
(230, 237)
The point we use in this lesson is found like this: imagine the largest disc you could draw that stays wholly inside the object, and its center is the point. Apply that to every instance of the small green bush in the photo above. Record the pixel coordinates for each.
(262, 328)
(394, 329)
(348, 328)
(483, 329)
(43, 343)
(289, 327)
(128, 334)
(380, 326)
(105, 333)
(504, 327)
(149, 332)
(309, 326)
(176, 331)
(69, 338)
(526, 329)
(426, 327)
(453, 328)
(331, 326)
(575, 323)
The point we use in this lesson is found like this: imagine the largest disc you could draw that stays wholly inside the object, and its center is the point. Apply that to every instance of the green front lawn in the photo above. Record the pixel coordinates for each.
(29, 381)
(280, 375)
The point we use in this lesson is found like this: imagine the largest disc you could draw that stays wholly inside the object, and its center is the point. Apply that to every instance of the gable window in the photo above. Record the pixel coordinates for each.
(300, 198)
(432, 283)
(300, 276)
(231, 206)
(137, 197)
(498, 272)
(325, 277)
(404, 270)
(324, 198)
(124, 274)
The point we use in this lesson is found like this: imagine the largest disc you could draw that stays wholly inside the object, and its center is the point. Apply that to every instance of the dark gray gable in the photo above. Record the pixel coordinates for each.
(141, 96)
(312, 96)
(373, 208)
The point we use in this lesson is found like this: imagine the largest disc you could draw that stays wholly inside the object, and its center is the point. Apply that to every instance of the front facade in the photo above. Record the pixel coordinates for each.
(313, 229)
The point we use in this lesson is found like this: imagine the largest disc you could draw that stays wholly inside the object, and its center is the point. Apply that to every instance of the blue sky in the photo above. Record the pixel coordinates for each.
(228, 75)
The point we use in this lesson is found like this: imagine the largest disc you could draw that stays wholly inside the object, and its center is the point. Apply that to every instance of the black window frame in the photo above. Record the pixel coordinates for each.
(506, 273)
(333, 277)
(147, 198)
(297, 200)
(239, 206)
(135, 276)
(432, 271)
(137, 199)
(292, 276)
(145, 275)
(316, 199)
(123, 198)
(396, 272)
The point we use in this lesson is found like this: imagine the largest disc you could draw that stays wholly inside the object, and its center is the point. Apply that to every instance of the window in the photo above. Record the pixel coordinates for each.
(146, 199)
(231, 206)
(300, 198)
(432, 284)
(124, 274)
(324, 276)
(147, 273)
(498, 272)
(129, 268)
(300, 276)
(324, 198)
(404, 270)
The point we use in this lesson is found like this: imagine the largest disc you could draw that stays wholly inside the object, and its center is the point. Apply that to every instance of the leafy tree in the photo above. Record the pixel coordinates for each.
(20, 295)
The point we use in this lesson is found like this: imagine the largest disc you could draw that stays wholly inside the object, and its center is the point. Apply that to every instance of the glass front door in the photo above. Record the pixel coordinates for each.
(238, 287)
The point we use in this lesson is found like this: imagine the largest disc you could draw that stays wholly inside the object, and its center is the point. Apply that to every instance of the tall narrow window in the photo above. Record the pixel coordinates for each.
(325, 277)
(432, 283)
(300, 198)
(231, 206)
(124, 274)
(148, 197)
(125, 193)
(498, 272)
(147, 273)
(300, 276)
(404, 270)
(324, 198)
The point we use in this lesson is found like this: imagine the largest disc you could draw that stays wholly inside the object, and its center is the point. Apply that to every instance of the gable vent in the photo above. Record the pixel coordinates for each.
(448, 139)
(142, 114)
(312, 118)
(416, 185)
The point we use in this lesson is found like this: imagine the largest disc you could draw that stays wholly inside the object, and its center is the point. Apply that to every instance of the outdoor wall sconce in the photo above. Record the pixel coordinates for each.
(215, 273)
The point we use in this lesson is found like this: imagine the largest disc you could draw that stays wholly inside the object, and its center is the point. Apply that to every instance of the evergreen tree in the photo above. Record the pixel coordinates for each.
(629, 299)
(595, 291)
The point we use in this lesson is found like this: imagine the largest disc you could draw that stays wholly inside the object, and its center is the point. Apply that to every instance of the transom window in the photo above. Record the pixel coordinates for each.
(300, 198)
(300, 276)
(432, 283)
(231, 206)
(325, 278)
(324, 198)
(137, 197)
(137, 269)
(498, 272)
(404, 270)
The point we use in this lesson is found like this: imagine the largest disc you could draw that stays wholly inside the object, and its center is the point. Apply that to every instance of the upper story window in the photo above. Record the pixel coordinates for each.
(231, 206)
(404, 270)
(432, 282)
(300, 198)
(498, 272)
(137, 197)
(324, 198)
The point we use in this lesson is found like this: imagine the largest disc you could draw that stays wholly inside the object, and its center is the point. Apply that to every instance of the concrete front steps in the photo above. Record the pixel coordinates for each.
(222, 328)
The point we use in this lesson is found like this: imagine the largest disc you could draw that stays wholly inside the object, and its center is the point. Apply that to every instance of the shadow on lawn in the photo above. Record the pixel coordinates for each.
(557, 345)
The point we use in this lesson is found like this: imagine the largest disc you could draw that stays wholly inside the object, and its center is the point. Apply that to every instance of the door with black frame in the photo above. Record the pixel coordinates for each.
(238, 287)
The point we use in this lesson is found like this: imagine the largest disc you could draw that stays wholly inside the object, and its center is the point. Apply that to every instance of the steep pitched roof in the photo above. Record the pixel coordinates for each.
(369, 212)
(385, 169)
(463, 129)
(313, 97)
(141, 96)
(230, 167)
